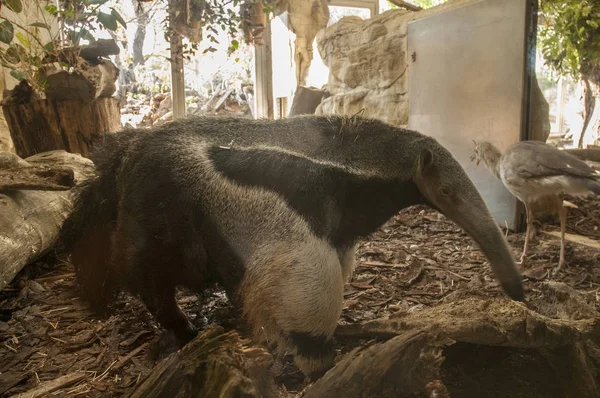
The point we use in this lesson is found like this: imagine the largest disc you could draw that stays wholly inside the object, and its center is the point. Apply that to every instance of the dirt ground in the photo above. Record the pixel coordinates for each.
(419, 259)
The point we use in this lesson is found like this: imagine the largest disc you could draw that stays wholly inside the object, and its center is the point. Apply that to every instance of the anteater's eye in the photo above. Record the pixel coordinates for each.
(444, 191)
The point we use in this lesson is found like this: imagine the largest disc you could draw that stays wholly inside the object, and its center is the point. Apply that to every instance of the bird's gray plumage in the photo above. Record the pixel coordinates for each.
(536, 172)
(535, 159)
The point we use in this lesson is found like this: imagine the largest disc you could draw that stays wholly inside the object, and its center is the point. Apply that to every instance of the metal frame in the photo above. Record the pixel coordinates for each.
(531, 19)
(372, 5)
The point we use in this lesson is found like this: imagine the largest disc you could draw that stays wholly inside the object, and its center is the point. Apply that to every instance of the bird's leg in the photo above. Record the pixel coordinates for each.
(527, 232)
(562, 213)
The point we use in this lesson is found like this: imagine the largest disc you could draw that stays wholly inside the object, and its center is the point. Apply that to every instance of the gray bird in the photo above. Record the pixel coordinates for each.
(539, 175)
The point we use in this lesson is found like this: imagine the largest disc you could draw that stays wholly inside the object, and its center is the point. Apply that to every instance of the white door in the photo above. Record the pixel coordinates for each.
(468, 80)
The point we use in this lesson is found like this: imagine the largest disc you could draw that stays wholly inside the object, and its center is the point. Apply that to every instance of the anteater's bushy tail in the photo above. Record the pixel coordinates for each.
(87, 231)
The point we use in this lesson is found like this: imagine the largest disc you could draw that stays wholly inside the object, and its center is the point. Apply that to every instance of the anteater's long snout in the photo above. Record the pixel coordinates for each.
(447, 187)
(475, 219)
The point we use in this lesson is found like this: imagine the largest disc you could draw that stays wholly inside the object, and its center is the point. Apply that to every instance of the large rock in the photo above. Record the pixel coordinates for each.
(368, 60)
(367, 66)
(88, 83)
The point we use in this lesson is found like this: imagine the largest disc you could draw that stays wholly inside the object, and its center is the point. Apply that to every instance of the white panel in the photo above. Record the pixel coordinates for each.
(466, 82)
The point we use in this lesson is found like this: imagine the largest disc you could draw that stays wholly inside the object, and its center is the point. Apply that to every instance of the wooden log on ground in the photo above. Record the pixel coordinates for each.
(214, 364)
(306, 100)
(45, 125)
(45, 389)
(407, 365)
(592, 154)
(30, 220)
(564, 329)
(16, 174)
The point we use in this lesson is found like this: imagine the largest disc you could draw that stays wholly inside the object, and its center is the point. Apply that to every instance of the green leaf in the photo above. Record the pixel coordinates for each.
(12, 55)
(51, 9)
(109, 21)
(87, 35)
(7, 32)
(592, 23)
(40, 25)
(49, 47)
(94, 2)
(14, 5)
(235, 44)
(118, 17)
(23, 40)
(17, 74)
(42, 81)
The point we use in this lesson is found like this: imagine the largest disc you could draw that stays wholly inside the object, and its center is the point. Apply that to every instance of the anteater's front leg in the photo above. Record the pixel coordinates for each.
(293, 297)
(152, 267)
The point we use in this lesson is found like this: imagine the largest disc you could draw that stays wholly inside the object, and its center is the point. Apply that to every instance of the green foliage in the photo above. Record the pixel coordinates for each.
(7, 32)
(212, 15)
(570, 35)
(28, 46)
(13, 5)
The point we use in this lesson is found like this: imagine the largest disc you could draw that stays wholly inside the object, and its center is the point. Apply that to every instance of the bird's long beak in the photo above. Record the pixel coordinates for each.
(477, 163)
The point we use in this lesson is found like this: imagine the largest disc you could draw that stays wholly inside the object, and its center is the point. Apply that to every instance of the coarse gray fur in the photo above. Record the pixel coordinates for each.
(272, 210)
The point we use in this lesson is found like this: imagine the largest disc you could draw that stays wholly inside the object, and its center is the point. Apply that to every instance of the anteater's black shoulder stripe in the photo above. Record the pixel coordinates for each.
(307, 188)
(338, 204)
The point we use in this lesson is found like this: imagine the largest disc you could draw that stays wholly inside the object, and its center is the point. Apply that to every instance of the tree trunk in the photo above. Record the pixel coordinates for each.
(591, 112)
(46, 125)
(140, 33)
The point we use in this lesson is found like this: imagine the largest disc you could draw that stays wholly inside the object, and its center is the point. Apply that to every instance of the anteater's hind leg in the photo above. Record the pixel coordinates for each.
(91, 260)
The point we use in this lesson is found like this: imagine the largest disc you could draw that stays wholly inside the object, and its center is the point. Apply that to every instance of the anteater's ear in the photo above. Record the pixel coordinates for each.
(425, 160)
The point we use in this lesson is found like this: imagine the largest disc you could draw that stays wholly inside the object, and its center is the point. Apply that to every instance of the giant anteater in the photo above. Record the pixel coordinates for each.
(271, 210)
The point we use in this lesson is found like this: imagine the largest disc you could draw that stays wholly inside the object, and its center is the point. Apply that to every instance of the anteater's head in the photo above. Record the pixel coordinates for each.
(446, 187)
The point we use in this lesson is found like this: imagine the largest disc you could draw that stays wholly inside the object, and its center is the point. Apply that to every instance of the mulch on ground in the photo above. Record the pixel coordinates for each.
(417, 260)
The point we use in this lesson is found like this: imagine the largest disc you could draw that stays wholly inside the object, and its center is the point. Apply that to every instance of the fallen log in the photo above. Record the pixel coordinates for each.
(41, 178)
(30, 219)
(49, 387)
(214, 364)
(407, 365)
(564, 331)
(592, 154)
